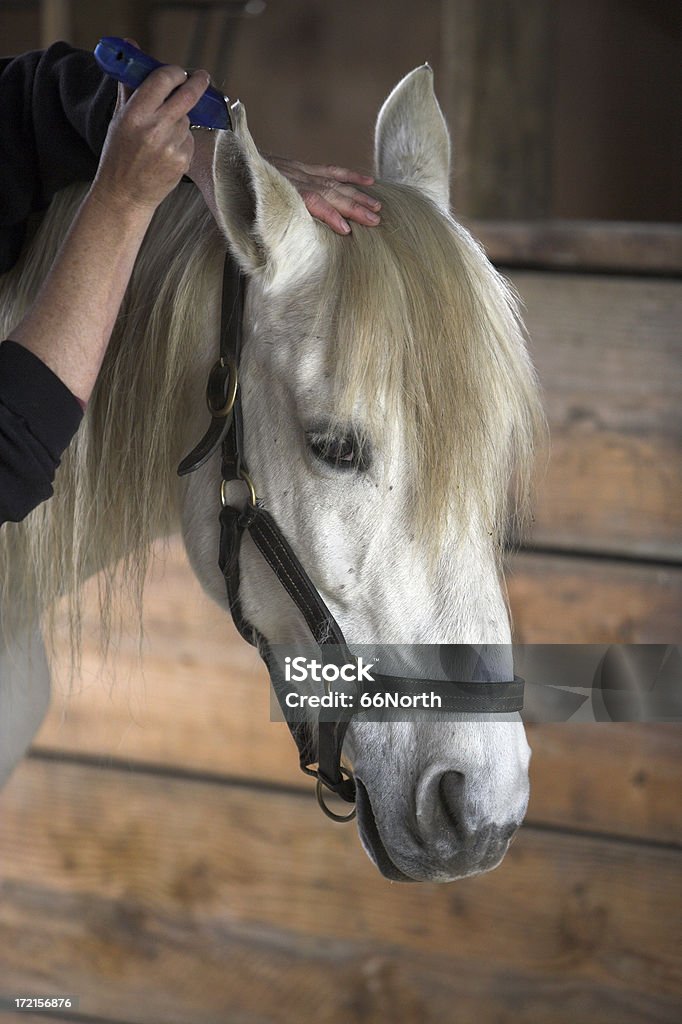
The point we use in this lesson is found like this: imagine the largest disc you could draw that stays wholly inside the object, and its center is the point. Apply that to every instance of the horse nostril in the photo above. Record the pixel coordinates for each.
(451, 793)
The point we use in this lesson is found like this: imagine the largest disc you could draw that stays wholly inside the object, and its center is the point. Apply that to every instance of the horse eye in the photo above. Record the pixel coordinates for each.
(346, 452)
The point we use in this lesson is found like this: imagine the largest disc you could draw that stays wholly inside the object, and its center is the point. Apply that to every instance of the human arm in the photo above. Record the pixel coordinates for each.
(55, 109)
(148, 148)
(57, 348)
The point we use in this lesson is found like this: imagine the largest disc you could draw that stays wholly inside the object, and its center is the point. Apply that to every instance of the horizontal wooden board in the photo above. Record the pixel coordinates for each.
(138, 891)
(612, 778)
(609, 357)
(556, 599)
(22, 1017)
(618, 247)
(266, 976)
(321, 70)
(199, 700)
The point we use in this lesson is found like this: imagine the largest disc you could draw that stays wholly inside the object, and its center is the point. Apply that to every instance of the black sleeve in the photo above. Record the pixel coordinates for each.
(38, 418)
(55, 108)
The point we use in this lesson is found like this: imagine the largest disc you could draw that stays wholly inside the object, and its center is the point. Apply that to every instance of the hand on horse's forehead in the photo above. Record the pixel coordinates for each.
(331, 194)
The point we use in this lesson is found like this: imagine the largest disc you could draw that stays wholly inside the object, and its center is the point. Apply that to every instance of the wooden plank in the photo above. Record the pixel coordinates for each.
(126, 18)
(612, 778)
(200, 697)
(210, 975)
(141, 889)
(608, 352)
(616, 149)
(323, 74)
(532, 91)
(200, 701)
(56, 21)
(499, 67)
(626, 248)
(268, 976)
(561, 600)
(22, 1017)
(19, 27)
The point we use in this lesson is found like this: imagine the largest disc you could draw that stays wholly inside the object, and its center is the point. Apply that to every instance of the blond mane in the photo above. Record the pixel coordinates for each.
(419, 317)
(116, 489)
(426, 324)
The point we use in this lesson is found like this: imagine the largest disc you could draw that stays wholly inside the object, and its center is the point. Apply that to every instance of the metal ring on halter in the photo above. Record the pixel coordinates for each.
(230, 391)
(331, 814)
(249, 483)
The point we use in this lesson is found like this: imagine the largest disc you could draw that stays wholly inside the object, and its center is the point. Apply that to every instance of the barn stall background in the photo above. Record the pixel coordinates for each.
(160, 855)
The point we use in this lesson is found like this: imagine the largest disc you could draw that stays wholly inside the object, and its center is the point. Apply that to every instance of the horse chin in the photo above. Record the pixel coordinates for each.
(415, 860)
(371, 839)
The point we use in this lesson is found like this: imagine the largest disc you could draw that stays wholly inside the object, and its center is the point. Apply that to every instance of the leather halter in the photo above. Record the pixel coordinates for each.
(322, 760)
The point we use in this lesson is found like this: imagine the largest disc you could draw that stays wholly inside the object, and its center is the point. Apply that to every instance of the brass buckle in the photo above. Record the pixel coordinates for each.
(332, 814)
(230, 389)
(253, 500)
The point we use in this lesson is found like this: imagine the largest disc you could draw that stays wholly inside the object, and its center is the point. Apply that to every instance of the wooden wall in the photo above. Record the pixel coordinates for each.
(603, 560)
(558, 108)
(160, 854)
(162, 857)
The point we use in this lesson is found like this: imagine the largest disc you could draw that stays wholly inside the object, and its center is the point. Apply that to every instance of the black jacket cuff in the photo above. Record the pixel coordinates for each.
(33, 392)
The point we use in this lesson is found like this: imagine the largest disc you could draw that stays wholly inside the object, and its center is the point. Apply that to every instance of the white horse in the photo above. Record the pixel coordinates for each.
(390, 410)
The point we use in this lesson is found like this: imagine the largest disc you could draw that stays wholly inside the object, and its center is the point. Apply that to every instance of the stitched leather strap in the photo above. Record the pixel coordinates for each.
(279, 555)
(222, 375)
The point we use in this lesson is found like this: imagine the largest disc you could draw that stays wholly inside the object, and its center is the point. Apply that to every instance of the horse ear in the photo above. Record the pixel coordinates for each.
(260, 213)
(411, 139)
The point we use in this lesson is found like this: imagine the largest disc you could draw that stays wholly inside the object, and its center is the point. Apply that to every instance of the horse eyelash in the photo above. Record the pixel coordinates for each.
(321, 443)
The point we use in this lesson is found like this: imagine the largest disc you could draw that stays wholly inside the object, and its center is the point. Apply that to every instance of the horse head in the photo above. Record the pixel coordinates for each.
(389, 405)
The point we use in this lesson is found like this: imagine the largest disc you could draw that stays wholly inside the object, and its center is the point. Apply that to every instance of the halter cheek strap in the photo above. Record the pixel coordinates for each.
(321, 758)
(226, 430)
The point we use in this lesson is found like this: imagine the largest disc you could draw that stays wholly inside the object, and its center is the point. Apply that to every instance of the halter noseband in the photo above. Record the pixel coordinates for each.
(322, 760)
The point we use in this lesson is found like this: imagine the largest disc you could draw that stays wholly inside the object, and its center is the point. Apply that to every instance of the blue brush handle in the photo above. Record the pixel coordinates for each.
(127, 64)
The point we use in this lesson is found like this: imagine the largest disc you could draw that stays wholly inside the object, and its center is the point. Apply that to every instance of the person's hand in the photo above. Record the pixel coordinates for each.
(330, 193)
(149, 145)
